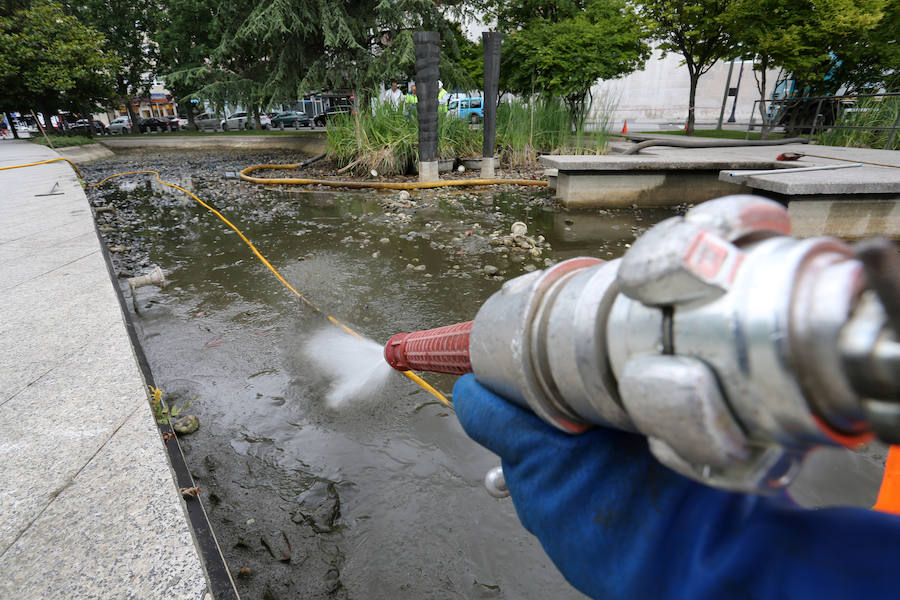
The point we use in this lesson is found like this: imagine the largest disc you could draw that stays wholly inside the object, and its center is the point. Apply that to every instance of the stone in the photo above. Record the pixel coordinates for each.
(320, 507)
(419, 268)
(278, 545)
(519, 228)
(186, 424)
(529, 268)
(384, 240)
(403, 196)
(490, 270)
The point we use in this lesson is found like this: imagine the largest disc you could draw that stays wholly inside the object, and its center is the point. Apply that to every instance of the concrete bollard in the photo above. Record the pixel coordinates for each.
(491, 41)
(427, 60)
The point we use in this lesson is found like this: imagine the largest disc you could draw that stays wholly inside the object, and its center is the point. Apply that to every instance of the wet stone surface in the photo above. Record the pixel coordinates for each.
(382, 498)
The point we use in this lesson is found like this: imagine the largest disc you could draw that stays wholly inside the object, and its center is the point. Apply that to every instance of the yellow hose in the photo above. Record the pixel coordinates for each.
(379, 185)
(417, 379)
(44, 162)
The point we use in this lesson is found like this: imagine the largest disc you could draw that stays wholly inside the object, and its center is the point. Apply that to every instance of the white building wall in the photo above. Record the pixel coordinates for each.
(659, 93)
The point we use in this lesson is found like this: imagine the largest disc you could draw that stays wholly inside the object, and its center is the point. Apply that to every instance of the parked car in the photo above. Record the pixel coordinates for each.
(236, 122)
(341, 109)
(121, 125)
(176, 123)
(468, 109)
(81, 127)
(209, 121)
(153, 124)
(291, 118)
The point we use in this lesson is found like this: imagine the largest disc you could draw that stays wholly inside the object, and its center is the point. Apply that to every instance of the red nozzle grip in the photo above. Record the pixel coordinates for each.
(440, 350)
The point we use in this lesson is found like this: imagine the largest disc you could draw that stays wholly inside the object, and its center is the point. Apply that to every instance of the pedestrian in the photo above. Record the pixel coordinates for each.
(3, 128)
(392, 96)
(443, 97)
(411, 102)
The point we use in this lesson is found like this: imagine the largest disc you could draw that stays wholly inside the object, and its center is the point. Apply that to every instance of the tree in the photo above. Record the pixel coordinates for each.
(569, 47)
(129, 28)
(49, 60)
(698, 30)
(276, 51)
(184, 48)
(806, 38)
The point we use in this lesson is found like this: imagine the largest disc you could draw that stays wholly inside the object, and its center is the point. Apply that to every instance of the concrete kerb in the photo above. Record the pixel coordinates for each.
(309, 143)
(88, 506)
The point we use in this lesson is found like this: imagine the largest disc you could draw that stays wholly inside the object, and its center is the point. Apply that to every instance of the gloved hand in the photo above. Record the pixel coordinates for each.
(619, 525)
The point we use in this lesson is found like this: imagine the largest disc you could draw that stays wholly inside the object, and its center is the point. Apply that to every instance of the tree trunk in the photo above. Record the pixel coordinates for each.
(256, 123)
(48, 120)
(192, 126)
(692, 98)
(766, 125)
(90, 120)
(135, 119)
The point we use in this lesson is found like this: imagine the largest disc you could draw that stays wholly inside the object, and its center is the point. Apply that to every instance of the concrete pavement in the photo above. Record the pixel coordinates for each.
(88, 504)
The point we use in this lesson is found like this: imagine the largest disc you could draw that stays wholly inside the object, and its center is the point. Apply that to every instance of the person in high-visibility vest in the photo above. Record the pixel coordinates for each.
(443, 97)
(411, 101)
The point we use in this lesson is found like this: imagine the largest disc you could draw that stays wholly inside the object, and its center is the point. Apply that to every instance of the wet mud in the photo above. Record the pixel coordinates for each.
(382, 498)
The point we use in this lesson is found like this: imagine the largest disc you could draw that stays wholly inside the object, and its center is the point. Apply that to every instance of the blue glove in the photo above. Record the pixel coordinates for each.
(619, 525)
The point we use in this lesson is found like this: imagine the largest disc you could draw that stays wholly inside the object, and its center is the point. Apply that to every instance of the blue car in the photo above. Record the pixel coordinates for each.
(470, 109)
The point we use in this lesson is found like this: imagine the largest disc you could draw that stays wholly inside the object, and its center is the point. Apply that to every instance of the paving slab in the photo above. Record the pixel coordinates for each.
(88, 505)
(662, 175)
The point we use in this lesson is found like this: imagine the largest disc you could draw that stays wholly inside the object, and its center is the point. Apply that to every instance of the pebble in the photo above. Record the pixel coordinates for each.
(419, 268)
(403, 196)
(278, 545)
(490, 270)
(384, 241)
(376, 254)
(519, 228)
(529, 268)
(186, 424)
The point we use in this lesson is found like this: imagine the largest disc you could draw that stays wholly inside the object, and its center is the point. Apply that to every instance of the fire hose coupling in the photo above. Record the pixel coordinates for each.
(732, 346)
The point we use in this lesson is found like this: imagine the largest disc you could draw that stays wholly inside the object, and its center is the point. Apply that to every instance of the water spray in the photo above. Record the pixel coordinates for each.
(735, 348)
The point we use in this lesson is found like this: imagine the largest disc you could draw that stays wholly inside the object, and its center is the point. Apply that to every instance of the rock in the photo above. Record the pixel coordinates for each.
(186, 424)
(403, 196)
(490, 270)
(519, 228)
(320, 507)
(278, 545)
(496, 242)
(376, 254)
(419, 268)
(244, 572)
(529, 268)
(117, 248)
(384, 241)
(535, 252)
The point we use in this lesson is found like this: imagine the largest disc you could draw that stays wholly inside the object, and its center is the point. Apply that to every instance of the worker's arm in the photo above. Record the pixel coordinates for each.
(619, 525)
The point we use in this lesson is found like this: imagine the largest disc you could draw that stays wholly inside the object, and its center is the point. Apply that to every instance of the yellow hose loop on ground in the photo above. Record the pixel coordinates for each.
(44, 162)
(418, 380)
(378, 185)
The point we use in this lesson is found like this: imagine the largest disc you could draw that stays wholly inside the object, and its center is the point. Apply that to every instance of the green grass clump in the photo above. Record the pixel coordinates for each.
(878, 111)
(526, 128)
(63, 141)
(385, 139)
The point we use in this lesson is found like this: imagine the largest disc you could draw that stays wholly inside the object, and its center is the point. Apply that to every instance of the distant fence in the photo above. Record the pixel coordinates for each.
(851, 119)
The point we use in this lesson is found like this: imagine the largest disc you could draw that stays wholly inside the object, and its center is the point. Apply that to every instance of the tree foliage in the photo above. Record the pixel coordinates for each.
(571, 45)
(49, 60)
(277, 50)
(812, 39)
(699, 30)
(129, 28)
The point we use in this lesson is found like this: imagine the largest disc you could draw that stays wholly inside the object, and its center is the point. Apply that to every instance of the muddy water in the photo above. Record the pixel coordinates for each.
(383, 498)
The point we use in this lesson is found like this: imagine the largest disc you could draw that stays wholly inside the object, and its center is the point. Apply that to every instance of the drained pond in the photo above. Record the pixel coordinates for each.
(313, 494)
